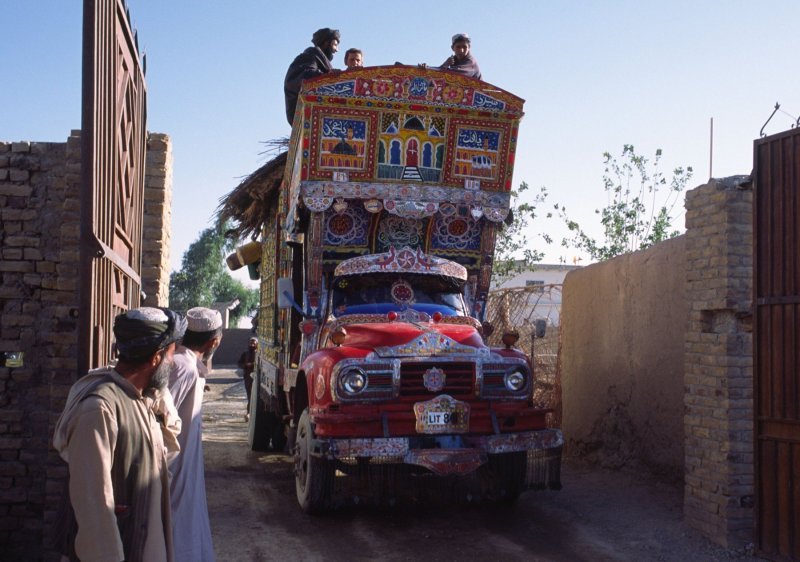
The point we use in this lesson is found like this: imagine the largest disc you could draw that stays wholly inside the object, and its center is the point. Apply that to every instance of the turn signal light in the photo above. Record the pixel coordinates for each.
(338, 336)
(437, 317)
(391, 316)
(308, 327)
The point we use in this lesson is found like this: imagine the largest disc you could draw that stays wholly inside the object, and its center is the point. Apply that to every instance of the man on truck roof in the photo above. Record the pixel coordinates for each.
(461, 60)
(314, 61)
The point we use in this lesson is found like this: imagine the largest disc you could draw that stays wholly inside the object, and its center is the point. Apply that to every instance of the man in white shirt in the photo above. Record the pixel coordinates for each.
(191, 527)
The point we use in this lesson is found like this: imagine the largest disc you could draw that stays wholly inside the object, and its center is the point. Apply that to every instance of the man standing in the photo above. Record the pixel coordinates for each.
(314, 61)
(191, 527)
(247, 363)
(113, 441)
(461, 60)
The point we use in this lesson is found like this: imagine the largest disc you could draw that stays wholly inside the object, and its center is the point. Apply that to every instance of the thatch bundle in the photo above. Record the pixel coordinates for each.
(248, 206)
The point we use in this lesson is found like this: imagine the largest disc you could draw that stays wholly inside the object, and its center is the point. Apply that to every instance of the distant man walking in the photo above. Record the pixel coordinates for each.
(191, 527)
(314, 61)
(114, 443)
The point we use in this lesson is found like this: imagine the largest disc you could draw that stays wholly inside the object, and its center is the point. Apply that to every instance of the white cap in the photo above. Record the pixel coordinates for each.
(201, 319)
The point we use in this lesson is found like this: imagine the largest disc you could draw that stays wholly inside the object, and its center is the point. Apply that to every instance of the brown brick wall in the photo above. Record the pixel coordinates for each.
(39, 185)
(39, 228)
(718, 420)
(157, 219)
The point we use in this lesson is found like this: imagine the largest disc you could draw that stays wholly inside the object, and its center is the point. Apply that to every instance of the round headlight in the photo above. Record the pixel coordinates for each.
(515, 380)
(353, 381)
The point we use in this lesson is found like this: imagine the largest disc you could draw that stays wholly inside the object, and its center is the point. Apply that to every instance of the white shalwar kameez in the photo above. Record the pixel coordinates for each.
(190, 524)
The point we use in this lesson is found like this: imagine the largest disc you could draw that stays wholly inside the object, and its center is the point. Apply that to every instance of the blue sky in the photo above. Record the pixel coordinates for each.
(595, 76)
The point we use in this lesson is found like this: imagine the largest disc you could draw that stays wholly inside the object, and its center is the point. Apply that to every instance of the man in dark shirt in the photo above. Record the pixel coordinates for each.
(247, 362)
(314, 61)
(461, 60)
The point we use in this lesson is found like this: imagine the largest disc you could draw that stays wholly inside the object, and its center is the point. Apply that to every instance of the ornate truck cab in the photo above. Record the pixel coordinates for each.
(375, 272)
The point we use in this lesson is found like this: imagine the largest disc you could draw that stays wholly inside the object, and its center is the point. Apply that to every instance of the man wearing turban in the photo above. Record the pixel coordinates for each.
(114, 434)
(314, 61)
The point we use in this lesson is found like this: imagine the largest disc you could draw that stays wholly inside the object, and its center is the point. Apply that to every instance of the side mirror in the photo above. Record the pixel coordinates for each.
(286, 293)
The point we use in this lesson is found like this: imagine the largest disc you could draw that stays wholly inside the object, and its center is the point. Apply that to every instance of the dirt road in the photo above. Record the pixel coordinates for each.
(599, 515)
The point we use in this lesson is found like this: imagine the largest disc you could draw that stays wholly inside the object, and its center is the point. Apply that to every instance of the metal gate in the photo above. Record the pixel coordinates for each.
(112, 179)
(777, 344)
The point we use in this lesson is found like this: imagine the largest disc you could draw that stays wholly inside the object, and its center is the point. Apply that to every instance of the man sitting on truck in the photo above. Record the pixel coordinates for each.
(314, 61)
(461, 60)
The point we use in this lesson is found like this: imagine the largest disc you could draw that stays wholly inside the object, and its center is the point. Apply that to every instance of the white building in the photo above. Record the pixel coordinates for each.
(544, 303)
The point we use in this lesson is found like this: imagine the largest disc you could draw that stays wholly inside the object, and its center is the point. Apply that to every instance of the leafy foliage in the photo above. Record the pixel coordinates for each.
(513, 251)
(204, 279)
(639, 212)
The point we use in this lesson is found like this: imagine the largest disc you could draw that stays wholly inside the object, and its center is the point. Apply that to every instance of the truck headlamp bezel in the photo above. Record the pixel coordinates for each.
(516, 379)
(353, 381)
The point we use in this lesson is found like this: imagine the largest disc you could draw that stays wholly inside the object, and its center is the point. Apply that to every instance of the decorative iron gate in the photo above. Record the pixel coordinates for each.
(777, 344)
(112, 180)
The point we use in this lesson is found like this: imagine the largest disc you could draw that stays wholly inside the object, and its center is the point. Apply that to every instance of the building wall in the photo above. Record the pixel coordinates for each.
(657, 364)
(157, 220)
(39, 241)
(623, 325)
(39, 185)
(719, 478)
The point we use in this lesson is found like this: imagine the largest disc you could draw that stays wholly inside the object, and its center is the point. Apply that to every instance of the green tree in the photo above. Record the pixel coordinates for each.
(204, 279)
(513, 250)
(639, 212)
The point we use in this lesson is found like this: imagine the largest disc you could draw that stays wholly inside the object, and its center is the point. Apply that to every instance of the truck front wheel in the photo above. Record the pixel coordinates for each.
(313, 475)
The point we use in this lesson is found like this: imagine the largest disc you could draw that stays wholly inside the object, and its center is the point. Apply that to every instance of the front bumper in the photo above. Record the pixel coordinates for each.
(455, 454)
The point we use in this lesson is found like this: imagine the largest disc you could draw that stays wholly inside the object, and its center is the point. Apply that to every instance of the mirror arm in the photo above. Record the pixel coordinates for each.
(294, 304)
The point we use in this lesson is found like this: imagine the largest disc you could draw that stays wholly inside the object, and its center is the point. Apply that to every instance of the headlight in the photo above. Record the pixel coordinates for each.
(515, 380)
(353, 381)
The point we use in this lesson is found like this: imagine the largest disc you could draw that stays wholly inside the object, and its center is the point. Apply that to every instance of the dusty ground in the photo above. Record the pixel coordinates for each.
(599, 515)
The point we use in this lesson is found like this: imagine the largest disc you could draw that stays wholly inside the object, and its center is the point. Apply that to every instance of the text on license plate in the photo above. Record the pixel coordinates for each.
(442, 418)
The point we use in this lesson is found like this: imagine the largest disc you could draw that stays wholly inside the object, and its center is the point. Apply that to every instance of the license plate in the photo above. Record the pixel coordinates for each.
(443, 414)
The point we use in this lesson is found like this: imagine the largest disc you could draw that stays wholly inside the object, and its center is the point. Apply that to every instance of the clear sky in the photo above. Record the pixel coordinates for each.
(596, 76)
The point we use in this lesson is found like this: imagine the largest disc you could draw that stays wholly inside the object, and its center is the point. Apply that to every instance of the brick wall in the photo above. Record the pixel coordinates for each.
(718, 420)
(39, 230)
(157, 219)
(39, 184)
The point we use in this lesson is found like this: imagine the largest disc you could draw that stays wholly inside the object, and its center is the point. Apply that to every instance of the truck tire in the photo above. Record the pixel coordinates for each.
(259, 430)
(313, 475)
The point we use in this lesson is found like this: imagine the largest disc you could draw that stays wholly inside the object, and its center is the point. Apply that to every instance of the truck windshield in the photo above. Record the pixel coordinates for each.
(379, 294)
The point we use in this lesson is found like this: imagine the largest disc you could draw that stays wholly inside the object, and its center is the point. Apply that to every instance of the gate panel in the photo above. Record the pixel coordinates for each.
(777, 344)
(112, 183)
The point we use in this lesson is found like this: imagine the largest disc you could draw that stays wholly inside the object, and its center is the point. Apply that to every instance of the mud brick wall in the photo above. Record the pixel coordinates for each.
(39, 256)
(39, 184)
(719, 477)
(657, 358)
(623, 324)
(157, 220)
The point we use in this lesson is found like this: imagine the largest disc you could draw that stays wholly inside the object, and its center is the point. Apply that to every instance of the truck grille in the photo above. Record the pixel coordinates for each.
(459, 380)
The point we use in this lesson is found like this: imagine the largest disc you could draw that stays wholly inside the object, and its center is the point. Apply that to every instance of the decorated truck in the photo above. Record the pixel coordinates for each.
(375, 263)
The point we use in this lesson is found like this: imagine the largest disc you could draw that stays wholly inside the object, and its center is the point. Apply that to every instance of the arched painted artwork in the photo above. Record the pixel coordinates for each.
(394, 153)
(427, 155)
(412, 153)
